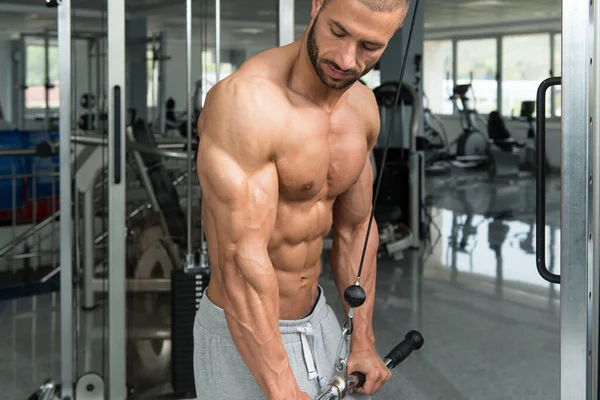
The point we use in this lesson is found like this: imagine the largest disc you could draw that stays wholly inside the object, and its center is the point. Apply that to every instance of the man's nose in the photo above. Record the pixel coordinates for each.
(346, 58)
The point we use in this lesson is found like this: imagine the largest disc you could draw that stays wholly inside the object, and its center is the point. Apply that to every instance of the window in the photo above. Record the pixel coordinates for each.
(525, 64)
(438, 75)
(35, 75)
(152, 94)
(209, 68)
(476, 64)
(557, 71)
(372, 78)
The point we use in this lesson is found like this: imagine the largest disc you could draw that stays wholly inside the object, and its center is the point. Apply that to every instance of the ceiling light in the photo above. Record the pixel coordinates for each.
(251, 31)
(482, 3)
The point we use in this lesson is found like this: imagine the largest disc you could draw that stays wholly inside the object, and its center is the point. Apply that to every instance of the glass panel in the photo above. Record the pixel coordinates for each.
(525, 64)
(438, 75)
(557, 71)
(476, 60)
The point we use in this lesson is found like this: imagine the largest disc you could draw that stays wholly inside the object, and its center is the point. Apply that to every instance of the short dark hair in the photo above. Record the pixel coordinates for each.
(378, 5)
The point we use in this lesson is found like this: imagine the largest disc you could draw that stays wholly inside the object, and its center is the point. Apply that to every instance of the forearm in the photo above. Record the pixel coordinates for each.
(346, 253)
(251, 304)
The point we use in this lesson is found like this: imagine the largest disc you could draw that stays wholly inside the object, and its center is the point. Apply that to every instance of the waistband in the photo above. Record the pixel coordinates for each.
(212, 318)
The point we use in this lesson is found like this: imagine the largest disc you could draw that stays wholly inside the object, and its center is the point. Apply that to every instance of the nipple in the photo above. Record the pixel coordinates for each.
(307, 186)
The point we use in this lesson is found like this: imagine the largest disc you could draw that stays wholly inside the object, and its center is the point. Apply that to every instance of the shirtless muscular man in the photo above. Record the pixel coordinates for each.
(283, 159)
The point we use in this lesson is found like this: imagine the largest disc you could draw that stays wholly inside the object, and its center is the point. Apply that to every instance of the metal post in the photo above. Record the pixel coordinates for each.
(285, 23)
(47, 79)
(23, 81)
(99, 85)
(117, 388)
(576, 297)
(88, 247)
(218, 39)
(90, 73)
(161, 82)
(593, 137)
(14, 209)
(552, 73)
(499, 76)
(190, 256)
(66, 255)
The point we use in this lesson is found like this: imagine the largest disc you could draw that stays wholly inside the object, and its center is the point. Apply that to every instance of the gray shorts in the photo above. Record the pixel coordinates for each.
(221, 373)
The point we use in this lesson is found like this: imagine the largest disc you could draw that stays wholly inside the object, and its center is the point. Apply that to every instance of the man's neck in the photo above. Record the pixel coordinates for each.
(305, 81)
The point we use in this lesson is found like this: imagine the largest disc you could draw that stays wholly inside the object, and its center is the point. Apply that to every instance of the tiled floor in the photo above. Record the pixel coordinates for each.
(491, 324)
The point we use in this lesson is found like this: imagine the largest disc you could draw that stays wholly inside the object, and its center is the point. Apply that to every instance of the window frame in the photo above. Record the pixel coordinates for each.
(499, 59)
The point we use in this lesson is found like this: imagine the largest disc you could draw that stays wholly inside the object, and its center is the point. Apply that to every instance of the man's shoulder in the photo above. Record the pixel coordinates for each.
(365, 104)
(248, 95)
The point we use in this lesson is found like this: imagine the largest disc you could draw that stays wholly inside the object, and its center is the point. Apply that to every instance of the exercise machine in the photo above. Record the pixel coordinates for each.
(509, 157)
(472, 145)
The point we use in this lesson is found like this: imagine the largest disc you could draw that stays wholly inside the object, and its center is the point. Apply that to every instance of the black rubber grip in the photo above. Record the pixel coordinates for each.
(412, 341)
(117, 133)
(540, 192)
(360, 379)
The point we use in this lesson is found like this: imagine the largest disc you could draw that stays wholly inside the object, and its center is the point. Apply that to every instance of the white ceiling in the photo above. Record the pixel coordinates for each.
(253, 21)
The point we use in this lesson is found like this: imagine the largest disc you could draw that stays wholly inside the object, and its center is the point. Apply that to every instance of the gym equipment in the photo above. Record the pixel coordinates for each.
(471, 145)
(340, 386)
(87, 122)
(529, 159)
(167, 197)
(47, 391)
(90, 386)
(188, 288)
(400, 201)
(504, 152)
(87, 101)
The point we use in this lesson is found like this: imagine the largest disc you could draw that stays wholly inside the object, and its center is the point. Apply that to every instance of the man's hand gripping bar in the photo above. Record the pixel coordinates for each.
(338, 388)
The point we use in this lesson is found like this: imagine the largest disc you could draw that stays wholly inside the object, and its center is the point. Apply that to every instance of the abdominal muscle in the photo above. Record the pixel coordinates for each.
(295, 251)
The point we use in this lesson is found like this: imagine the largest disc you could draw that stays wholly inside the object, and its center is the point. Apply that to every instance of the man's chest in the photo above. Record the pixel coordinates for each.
(322, 154)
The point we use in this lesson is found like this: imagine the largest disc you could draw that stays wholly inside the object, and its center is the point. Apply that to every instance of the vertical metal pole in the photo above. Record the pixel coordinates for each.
(285, 22)
(34, 218)
(154, 80)
(218, 39)
(577, 181)
(47, 79)
(188, 19)
(454, 69)
(99, 85)
(499, 74)
(66, 255)
(552, 73)
(54, 245)
(90, 74)
(14, 210)
(89, 247)
(23, 81)
(594, 160)
(161, 82)
(116, 191)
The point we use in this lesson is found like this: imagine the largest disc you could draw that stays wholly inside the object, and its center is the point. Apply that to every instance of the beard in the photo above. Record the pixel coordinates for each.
(319, 64)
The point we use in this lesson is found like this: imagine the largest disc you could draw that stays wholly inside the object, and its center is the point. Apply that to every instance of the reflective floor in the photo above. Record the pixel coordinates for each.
(491, 324)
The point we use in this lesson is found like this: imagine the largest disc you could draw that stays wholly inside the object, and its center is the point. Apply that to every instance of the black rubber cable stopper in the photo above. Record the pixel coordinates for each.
(355, 296)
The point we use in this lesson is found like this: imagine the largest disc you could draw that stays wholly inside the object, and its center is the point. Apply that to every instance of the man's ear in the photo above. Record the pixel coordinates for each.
(316, 6)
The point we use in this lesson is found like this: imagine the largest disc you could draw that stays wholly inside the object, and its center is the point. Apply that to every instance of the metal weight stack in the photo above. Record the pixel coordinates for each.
(187, 289)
